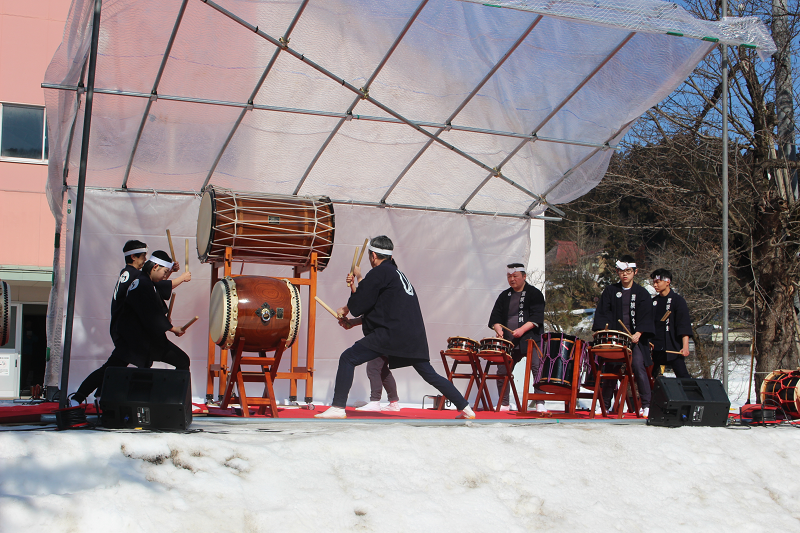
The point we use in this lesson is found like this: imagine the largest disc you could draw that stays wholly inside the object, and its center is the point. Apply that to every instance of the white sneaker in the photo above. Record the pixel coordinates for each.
(505, 408)
(644, 413)
(466, 413)
(393, 406)
(371, 406)
(332, 412)
(540, 408)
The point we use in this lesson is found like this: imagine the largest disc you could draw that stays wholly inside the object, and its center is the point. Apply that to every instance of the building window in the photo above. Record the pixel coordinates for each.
(23, 132)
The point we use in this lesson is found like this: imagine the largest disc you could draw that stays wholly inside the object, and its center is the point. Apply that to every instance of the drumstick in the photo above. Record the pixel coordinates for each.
(352, 268)
(328, 309)
(505, 328)
(670, 351)
(366, 242)
(626, 329)
(171, 249)
(663, 318)
(171, 302)
(187, 255)
(192, 321)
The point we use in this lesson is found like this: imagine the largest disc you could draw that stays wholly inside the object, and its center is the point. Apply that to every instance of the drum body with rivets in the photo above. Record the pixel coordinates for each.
(5, 313)
(264, 228)
(263, 310)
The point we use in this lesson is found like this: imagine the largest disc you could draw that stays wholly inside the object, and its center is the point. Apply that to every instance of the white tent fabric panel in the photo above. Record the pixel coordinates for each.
(455, 262)
(499, 72)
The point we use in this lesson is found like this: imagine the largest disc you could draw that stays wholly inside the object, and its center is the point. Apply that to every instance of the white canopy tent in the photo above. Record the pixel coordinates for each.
(435, 105)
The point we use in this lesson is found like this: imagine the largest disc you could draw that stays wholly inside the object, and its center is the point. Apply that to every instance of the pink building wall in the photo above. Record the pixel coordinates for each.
(30, 32)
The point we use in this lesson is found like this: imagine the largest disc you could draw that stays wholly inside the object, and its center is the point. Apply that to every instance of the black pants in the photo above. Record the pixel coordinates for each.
(678, 365)
(94, 382)
(358, 355)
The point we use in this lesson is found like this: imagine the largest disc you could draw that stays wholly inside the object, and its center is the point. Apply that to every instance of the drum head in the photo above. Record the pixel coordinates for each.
(205, 224)
(5, 313)
(220, 312)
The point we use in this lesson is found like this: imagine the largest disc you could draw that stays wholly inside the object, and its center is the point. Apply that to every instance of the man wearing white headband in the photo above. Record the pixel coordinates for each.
(673, 326)
(135, 254)
(520, 308)
(391, 320)
(629, 302)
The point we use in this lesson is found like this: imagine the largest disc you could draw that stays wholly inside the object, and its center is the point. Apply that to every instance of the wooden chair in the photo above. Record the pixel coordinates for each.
(462, 358)
(623, 375)
(498, 360)
(266, 375)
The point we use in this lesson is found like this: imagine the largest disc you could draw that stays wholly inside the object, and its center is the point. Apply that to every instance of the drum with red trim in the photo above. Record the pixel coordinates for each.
(779, 389)
(495, 346)
(461, 346)
(609, 338)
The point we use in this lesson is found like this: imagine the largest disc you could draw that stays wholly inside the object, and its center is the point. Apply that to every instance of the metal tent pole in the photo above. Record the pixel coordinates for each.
(725, 261)
(76, 238)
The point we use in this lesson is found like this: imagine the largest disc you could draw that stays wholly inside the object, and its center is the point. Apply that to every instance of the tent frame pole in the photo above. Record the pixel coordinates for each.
(725, 258)
(76, 239)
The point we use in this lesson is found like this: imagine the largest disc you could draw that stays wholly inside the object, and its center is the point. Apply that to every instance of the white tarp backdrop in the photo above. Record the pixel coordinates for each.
(432, 104)
(455, 262)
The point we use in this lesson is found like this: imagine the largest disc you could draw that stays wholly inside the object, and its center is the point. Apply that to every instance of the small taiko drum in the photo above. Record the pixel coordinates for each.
(779, 389)
(265, 228)
(461, 346)
(609, 338)
(5, 313)
(263, 310)
(495, 346)
(558, 362)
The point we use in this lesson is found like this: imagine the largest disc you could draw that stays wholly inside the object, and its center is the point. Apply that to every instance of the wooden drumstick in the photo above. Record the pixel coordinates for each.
(626, 329)
(171, 303)
(353, 267)
(670, 351)
(171, 248)
(192, 321)
(505, 328)
(366, 242)
(666, 315)
(187, 255)
(328, 309)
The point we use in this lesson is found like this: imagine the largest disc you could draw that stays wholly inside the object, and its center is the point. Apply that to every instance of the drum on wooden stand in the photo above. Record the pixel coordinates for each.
(609, 338)
(495, 346)
(461, 346)
(262, 310)
(780, 389)
(265, 228)
(558, 363)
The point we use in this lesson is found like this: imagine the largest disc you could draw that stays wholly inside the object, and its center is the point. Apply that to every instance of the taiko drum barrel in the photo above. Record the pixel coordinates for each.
(779, 389)
(265, 228)
(262, 310)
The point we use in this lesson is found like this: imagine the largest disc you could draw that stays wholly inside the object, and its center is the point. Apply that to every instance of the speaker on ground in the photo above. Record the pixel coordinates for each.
(688, 402)
(146, 398)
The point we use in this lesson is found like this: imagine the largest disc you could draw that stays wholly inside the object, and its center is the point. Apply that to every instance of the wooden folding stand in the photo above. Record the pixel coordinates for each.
(461, 357)
(227, 376)
(500, 360)
(624, 375)
(569, 396)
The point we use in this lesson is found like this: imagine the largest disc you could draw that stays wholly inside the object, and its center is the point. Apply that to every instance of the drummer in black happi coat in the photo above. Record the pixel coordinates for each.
(673, 326)
(520, 308)
(388, 310)
(628, 301)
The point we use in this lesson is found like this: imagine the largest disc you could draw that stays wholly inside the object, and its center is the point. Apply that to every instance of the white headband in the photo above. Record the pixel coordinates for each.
(625, 266)
(378, 250)
(662, 278)
(136, 251)
(511, 270)
(161, 262)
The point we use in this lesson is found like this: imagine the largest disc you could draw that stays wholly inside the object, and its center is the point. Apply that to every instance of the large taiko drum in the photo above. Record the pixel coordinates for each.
(558, 352)
(265, 228)
(262, 310)
(5, 313)
(780, 389)
(609, 338)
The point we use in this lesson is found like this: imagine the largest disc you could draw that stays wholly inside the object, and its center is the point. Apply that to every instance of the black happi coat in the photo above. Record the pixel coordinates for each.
(390, 314)
(609, 311)
(143, 323)
(531, 310)
(677, 325)
(126, 277)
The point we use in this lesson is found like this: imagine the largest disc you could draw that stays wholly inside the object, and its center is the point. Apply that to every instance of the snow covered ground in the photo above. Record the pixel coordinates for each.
(232, 475)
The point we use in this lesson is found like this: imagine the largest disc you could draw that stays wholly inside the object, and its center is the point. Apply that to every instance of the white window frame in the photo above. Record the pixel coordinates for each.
(44, 159)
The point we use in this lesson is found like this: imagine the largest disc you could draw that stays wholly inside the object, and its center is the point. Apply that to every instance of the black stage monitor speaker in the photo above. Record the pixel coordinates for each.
(688, 402)
(146, 398)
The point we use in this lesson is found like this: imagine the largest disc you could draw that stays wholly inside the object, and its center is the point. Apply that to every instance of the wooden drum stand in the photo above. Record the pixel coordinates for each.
(227, 376)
